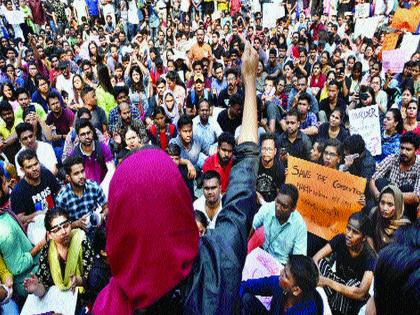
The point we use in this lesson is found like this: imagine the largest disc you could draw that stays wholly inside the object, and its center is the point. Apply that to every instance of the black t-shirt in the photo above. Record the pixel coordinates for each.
(270, 179)
(27, 199)
(323, 135)
(223, 99)
(227, 124)
(349, 267)
(325, 106)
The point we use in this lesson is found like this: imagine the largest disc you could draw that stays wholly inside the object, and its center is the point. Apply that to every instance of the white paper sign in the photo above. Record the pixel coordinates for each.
(362, 10)
(36, 229)
(365, 122)
(410, 43)
(272, 12)
(260, 264)
(63, 302)
(366, 27)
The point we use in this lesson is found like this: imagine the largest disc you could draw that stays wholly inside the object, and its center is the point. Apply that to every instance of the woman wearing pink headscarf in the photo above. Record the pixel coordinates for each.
(158, 263)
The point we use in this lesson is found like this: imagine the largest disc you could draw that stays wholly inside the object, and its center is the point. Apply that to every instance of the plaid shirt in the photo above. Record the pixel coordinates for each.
(389, 168)
(76, 206)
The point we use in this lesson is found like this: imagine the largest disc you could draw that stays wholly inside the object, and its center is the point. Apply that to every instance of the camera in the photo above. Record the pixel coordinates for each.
(364, 96)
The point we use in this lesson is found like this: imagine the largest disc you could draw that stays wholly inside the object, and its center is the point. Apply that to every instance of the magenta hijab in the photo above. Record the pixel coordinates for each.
(152, 237)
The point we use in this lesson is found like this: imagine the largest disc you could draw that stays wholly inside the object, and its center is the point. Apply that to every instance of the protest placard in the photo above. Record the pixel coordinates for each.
(327, 197)
(366, 27)
(394, 60)
(61, 302)
(406, 19)
(260, 264)
(272, 12)
(362, 10)
(365, 122)
(410, 43)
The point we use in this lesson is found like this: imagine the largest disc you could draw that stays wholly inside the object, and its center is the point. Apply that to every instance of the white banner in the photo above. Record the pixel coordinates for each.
(365, 122)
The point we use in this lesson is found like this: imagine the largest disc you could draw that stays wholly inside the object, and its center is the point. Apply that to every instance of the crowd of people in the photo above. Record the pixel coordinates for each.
(144, 150)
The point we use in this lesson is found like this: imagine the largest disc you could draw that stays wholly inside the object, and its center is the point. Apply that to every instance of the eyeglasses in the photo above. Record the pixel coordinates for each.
(64, 225)
(331, 154)
(267, 149)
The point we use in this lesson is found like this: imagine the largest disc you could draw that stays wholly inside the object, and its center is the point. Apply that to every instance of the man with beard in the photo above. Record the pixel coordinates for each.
(36, 192)
(200, 50)
(271, 173)
(97, 157)
(402, 170)
(125, 121)
(65, 79)
(15, 247)
(210, 203)
(222, 160)
(81, 197)
(44, 151)
(231, 89)
(230, 118)
(206, 127)
(88, 75)
(293, 141)
(218, 82)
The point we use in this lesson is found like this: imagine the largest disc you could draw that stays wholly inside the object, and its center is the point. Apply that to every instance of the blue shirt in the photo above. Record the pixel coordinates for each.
(390, 145)
(281, 240)
(92, 7)
(207, 133)
(218, 86)
(197, 152)
(311, 120)
(76, 206)
(37, 98)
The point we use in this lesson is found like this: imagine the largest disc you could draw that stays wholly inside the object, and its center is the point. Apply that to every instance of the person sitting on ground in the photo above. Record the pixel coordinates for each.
(347, 288)
(294, 291)
(387, 217)
(65, 261)
(284, 229)
(202, 222)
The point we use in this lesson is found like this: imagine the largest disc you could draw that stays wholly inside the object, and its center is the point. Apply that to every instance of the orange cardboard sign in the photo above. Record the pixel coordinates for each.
(327, 197)
(407, 19)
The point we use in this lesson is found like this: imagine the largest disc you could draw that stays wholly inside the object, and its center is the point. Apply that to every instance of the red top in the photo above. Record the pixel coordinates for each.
(212, 163)
(163, 139)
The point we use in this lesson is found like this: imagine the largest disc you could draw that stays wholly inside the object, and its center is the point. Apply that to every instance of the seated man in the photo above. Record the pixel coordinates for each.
(293, 292)
(284, 229)
(347, 288)
(97, 157)
(210, 203)
(221, 162)
(44, 151)
(402, 170)
(271, 173)
(80, 197)
(192, 149)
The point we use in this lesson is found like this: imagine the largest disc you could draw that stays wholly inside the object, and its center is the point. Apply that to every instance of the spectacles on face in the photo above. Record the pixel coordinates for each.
(267, 149)
(331, 154)
(64, 225)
